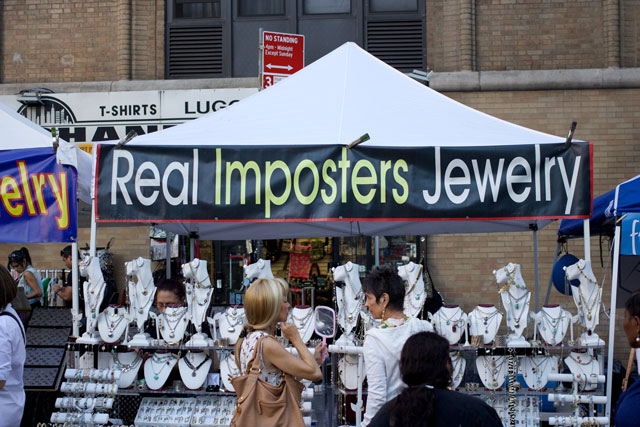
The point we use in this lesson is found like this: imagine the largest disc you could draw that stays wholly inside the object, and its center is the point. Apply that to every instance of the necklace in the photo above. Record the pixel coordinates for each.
(484, 317)
(194, 369)
(581, 367)
(415, 281)
(172, 324)
(112, 324)
(233, 319)
(124, 367)
(92, 307)
(552, 322)
(458, 369)
(538, 370)
(583, 301)
(350, 314)
(198, 282)
(206, 295)
(583, 274)
(449, 319)
(163, 361)
(301, 322)
(140, 295)
(515, 306)
(493, 369)
(511, 278)
(232, 368)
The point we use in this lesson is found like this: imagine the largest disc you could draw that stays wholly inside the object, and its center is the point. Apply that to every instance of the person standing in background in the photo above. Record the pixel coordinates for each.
(29, 277)
(12, 355)
(65, 291)
(627, 409)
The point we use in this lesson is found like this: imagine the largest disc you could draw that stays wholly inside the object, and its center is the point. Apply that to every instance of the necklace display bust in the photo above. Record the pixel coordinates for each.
(348, 371)
(485, 320)
(128, 364)
(230, 323)
(199, 291)
(450, 322)
(415, 295)
(172, 323)
(535, 370)
(552, 322)
(194, 368)
(459, 365)
(302, 317)
(93, 294)
(515, 300)
(260, 269)
(141, 293)
(587, 297)
(112, 323)
(157, 369)
(228, 370)
(349, 298)
(492, 370)
(585, 367)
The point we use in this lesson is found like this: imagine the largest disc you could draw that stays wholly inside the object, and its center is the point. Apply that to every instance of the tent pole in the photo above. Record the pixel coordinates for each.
(535, 263)
(75, 301)
(587, 241)
(167, 268)
(612, 317)
(376, 240)
(555, 258)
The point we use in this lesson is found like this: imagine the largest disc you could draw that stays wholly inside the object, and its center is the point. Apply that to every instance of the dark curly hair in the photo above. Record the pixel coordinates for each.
(174, 286)
(633, 304)
(425, 365)
(385, 280)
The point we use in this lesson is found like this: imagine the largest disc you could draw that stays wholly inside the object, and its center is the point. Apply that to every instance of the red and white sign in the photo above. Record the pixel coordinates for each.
(282, 55)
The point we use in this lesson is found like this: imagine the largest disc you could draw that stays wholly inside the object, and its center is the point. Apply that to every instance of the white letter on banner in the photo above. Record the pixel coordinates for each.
(634, 233)
(518, 179)
(121, 181)
(147, 182)
(494, 182)
(449, 181)
(183, 197)
(436, 195)
(569, 189)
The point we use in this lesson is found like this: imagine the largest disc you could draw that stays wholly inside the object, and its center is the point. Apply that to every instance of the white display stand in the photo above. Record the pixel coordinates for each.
(492, 371)
(515, 299)
(459, 366)
(157, 369)
(228, 370)
(199, 292)
(93, 294)
(230, 323)
(302, 317)
(348, 371)
(172, 324)
(260, 269)
(585, 368)
(194, 369)
(450, 322)
(142, 292)
(128, 364)
(349, 298)
(485, 320)
(112, 323)
(415, 295)
(587, 297)
(535, 370)
(552, 322)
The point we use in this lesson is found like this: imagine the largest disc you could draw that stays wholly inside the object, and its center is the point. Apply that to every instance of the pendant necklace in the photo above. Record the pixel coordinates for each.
(140, 295)
(163, 360)
(173, 324)
(94, 298)
(456, 361)
(516, 305)
(493, 369)
(486, 318)
(233, 319)
(449, 319)
(124, 367)
(112, 324)
(415, 281)
(301, 322)
(595, 293)
(511, 279)
(194, 369)
(195, 278)
(232, 368)
(552, 322)
(349, 313)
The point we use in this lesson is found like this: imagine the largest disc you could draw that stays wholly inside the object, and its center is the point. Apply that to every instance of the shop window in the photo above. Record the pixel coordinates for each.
(319, 7)
(196, 9)
(261, 8)
(393, 5)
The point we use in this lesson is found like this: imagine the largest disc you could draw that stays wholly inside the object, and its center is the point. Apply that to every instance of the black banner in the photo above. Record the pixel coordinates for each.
(280, 183)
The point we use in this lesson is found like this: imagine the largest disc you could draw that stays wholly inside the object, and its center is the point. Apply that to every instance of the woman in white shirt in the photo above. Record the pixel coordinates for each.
(384, 292)
(12, 355)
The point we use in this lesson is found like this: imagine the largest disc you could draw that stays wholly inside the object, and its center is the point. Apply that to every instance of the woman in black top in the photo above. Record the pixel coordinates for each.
(426, 368)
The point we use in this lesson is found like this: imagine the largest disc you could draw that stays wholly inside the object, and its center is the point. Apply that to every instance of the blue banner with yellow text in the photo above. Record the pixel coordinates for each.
(37, 197)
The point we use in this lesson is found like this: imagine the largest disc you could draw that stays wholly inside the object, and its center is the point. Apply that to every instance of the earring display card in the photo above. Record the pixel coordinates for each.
(213, 411)
(40, 357)
(165, 411)
(48, 337)
(50, 317)
(40, 378)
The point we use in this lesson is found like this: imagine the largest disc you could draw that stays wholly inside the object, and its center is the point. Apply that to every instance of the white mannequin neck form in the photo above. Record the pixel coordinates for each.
(194, 379)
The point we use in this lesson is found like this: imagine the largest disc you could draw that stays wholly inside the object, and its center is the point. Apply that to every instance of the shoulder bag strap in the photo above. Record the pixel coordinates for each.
(6, 313)
(625, 381)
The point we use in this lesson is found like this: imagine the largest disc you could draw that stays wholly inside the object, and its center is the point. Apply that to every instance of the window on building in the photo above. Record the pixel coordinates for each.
(196, 9)
(261, 8)
(393, 5)
(320, 7)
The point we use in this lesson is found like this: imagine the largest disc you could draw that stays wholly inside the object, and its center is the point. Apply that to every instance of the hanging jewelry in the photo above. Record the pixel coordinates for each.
(126, 367)
(173, 323)
(94, 299)
(301, 322)
(583, 301)
(112, 324)
(233, 319)
(194, 369)
(164, 361)
(515, 306)
(449, 319)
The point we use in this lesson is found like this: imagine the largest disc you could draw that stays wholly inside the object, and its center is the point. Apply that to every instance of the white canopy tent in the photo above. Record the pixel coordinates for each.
(335, 100)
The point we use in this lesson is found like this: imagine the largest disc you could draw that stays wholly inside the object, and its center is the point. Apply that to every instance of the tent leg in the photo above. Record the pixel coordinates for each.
(75, 301)
(167, 271)
(535, 263)
(612, 319)
(587, 241)
(376, 241)
(555, 258)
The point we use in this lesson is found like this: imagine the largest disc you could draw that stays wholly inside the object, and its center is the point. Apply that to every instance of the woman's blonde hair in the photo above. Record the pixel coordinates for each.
(262, 303)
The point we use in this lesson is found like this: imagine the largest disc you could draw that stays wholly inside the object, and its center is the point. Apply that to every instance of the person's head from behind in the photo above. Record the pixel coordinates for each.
(265, 303)
(8, 288)
(169, 293)
(67, 256)
(425, 365)
(384, 291)
(19, 260)
(632, 319)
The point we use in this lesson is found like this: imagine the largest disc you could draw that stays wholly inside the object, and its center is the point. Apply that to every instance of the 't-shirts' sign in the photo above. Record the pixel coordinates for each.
(333, 183)
(282, 55)
(106, 116)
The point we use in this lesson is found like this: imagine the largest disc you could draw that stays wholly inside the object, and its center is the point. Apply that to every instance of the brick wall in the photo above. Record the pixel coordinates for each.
(630, 33)
(81, 40)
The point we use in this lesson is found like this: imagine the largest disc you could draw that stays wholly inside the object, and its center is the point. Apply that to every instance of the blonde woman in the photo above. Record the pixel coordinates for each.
(266, 305)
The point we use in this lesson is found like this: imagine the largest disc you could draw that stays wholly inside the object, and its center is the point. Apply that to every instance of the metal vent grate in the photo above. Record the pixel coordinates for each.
(398, 43)
(195, 51)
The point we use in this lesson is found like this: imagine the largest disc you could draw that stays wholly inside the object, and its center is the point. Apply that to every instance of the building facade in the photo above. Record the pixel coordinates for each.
(538, 63)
